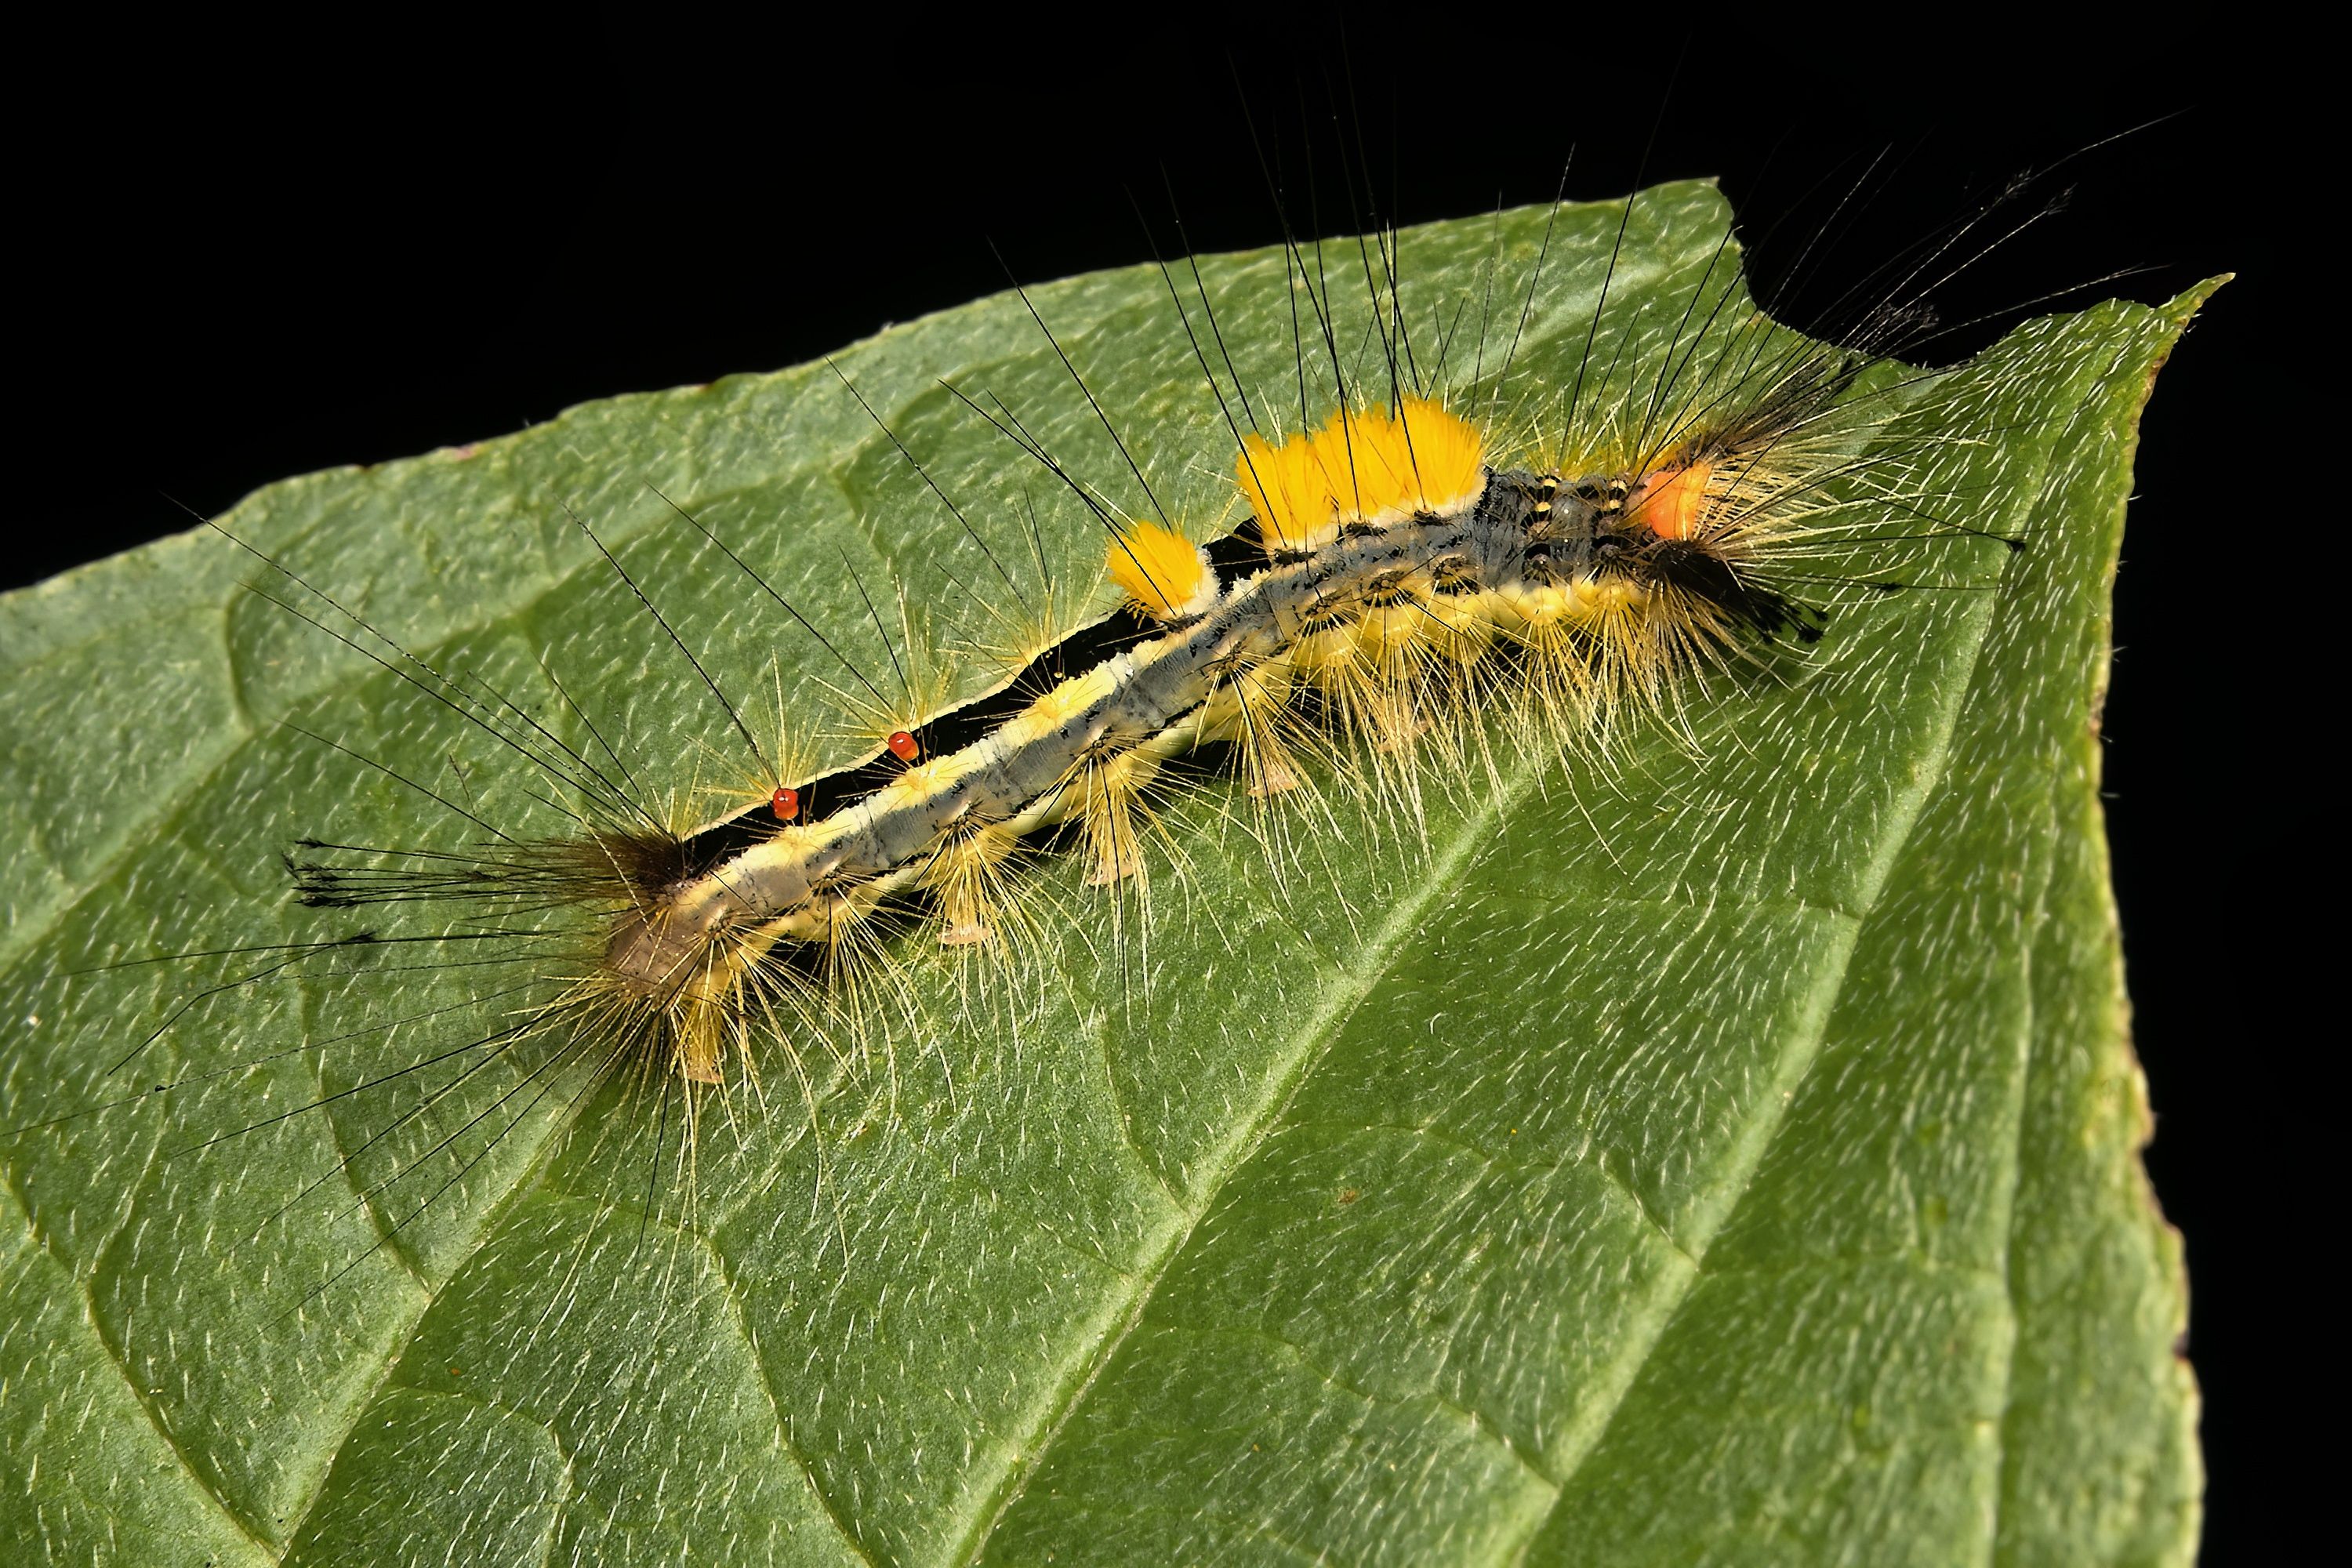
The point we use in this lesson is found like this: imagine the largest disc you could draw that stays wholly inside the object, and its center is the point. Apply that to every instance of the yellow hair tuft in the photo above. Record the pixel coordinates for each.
(1163, 575)
(1372, 468)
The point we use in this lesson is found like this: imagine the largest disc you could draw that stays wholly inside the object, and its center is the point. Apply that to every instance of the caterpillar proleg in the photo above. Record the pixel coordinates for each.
(1223, 913)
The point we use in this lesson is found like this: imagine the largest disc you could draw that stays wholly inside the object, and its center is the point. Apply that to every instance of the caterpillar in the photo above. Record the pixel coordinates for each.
(1382, 568)
(1644, 536)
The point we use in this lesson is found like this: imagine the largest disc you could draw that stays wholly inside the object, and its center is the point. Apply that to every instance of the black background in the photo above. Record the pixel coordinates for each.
(253, 248)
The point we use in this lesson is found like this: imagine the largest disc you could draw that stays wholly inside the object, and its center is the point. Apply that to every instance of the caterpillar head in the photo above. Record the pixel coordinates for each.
(1683, 531)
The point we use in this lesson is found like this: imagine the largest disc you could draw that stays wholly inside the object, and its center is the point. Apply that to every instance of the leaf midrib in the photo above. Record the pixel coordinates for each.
(1340, 1002)
(1280, 1087)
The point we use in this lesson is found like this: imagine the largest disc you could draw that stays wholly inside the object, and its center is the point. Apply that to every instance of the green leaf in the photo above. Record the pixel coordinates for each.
(1729, 1154)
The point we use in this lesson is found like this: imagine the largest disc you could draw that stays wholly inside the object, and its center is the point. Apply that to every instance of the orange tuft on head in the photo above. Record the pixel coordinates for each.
(1672, 502)
(1163, 575)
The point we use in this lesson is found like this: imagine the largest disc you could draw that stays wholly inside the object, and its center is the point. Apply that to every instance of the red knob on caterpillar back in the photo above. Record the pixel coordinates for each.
(785, 804)
(903, 746)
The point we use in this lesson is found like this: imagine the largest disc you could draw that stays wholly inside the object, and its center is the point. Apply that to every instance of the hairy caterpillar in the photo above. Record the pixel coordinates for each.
(1383, 571)
(1661, 447)
(1389, 601)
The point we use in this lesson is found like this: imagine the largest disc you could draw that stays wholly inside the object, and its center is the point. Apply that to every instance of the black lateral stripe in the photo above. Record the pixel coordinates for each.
(1233, 557)
(949, 732)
